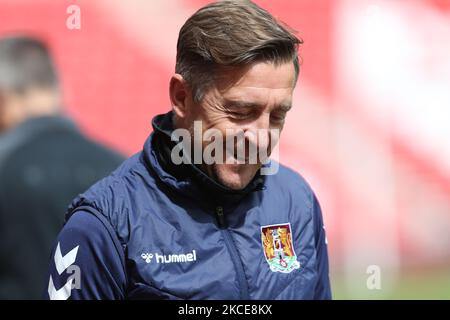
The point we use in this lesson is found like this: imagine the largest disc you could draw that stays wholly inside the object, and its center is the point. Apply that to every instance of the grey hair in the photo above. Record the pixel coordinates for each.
(24, 63)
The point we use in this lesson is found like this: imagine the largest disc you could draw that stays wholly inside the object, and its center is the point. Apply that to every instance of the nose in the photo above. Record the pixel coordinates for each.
(258, 135)
(258, 127)
(263, 121)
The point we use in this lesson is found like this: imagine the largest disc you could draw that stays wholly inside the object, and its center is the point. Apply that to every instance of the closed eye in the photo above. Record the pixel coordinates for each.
(278, 117)
(240, 115)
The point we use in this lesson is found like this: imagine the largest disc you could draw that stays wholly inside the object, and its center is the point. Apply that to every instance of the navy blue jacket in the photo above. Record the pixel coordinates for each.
(154, 230)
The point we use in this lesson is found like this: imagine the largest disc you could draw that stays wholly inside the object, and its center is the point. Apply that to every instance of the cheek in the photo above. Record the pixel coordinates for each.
(211, 112)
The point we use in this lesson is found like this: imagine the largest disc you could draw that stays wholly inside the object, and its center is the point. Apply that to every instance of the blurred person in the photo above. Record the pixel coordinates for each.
(45, 161)
(161, 228)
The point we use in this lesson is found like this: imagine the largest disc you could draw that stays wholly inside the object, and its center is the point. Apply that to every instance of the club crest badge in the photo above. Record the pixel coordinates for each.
(278, 248)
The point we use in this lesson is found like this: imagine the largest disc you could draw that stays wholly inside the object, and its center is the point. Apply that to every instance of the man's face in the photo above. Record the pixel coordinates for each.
(253, 100)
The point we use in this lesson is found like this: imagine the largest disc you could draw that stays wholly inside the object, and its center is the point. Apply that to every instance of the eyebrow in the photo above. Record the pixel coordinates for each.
(249, 104)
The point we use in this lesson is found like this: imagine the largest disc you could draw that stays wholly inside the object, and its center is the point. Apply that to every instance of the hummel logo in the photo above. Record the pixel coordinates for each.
(147, 257)
(171, 258)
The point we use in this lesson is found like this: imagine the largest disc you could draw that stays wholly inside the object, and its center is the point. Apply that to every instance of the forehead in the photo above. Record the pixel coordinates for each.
(258, 80)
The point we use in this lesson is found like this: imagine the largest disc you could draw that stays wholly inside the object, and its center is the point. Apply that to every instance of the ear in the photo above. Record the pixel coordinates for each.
(179, 94)
(2, 110)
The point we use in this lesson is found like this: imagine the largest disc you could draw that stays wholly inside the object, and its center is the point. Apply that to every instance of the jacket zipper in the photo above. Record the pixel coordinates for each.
(233, 253)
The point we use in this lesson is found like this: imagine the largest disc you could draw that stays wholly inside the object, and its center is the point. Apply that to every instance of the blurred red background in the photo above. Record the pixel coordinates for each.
(368, 130)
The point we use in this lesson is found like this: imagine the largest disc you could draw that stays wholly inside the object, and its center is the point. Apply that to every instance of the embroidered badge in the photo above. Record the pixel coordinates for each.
(278, 248)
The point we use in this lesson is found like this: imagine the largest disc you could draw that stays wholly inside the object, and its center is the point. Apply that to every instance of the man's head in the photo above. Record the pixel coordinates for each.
(236, 69)
(28, 81)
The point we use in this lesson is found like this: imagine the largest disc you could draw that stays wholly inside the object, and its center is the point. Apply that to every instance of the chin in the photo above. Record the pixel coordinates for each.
(235, 176)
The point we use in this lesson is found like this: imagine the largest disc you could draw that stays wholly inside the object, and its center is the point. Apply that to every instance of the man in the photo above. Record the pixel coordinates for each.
(165, 226)
(44, 163)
